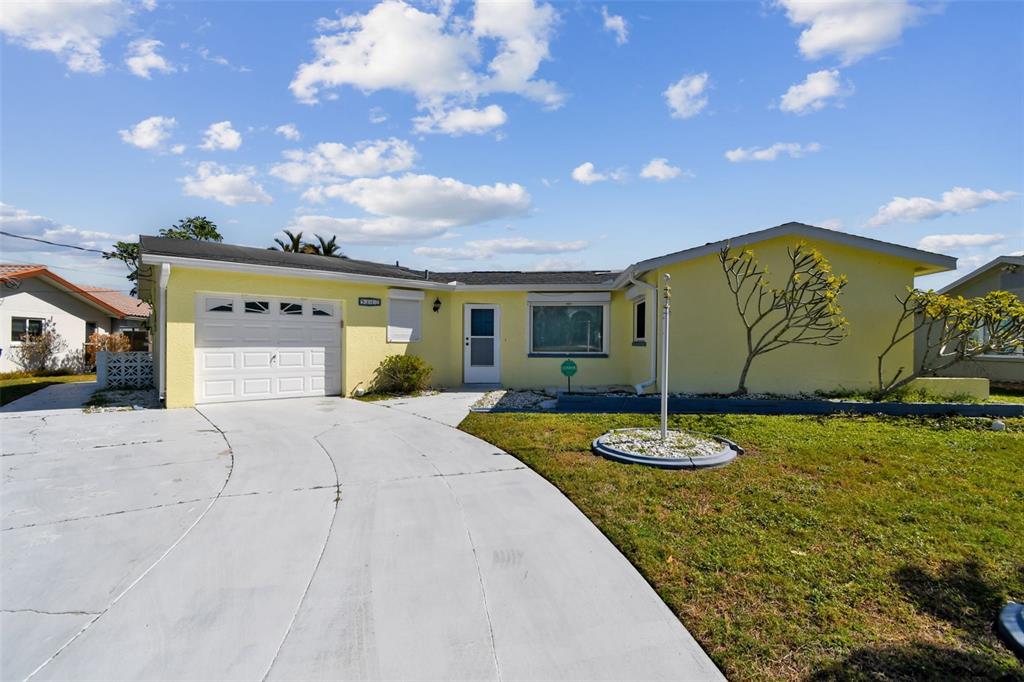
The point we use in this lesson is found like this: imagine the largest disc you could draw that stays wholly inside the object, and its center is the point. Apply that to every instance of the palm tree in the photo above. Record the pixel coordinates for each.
(293, 245)
(328, 247)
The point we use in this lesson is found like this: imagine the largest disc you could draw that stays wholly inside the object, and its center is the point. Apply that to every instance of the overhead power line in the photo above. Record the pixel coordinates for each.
(44, 241)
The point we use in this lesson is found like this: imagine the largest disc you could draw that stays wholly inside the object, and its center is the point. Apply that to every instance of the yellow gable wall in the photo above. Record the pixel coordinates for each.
(708, 343)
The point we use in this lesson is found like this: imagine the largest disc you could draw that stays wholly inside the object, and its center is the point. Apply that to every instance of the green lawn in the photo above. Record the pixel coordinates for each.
(12, 389)
(837, 547)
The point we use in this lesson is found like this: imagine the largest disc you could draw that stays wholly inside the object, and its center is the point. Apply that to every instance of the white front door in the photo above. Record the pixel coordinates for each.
(481, 344)
(261, 347)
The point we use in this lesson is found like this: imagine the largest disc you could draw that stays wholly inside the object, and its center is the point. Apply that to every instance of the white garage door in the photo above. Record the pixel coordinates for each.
(258, 347)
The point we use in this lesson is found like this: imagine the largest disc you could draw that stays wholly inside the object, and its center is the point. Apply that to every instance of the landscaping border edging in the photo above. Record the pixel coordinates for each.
(728, 453)
(1011, 627)
(634, 404)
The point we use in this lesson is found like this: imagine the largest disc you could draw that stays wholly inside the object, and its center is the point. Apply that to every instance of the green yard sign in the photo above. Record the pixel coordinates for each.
(568, 369)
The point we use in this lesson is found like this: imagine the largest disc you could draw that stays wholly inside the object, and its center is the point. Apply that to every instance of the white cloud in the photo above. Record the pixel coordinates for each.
(21, 222)
(434, 56)
(952, 242)
(151, 134)
(831, 224)
(288, 131)
(142, 58)
(791, 149)
(815, 92)
(586, 175)
(461, 120)
(73, 31)
(483, 249)
(221, 136)
(378, 115)
(955, 201)
(414, 207)
(220, 60)
(333, 161)
(214, 181)
(660, 169)
(850, 29)
(617, 25)
(77, 266)
(555, 263)
(686, 97)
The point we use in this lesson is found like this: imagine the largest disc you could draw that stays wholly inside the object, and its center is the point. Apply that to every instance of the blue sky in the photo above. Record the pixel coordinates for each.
(515, 135)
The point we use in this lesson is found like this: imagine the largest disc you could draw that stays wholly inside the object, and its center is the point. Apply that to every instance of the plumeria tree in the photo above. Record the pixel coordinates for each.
(952, 329)
(805, 310)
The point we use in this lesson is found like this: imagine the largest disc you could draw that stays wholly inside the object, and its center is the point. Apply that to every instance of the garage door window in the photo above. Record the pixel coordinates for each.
(260, 307)
(220, 305)
(288, 308)
(323, 310)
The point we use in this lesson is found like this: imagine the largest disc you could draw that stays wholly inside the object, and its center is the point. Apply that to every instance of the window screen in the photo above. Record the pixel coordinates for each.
(404, 320)
(567, 328)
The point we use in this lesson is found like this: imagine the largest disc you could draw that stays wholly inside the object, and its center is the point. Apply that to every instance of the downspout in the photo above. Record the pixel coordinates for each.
(161, 324)
(652, 336)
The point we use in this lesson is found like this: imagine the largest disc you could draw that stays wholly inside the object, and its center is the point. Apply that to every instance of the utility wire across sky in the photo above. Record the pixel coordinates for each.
(45, 241)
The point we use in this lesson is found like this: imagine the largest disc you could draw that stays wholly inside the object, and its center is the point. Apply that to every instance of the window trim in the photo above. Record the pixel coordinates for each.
(647, 320)
(566, 301)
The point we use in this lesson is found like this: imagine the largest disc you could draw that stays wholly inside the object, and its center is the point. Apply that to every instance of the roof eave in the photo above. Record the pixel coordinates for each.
(925, 262)
(977, 272)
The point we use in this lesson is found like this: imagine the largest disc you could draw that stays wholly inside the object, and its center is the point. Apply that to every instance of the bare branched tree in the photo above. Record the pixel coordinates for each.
(805, 310)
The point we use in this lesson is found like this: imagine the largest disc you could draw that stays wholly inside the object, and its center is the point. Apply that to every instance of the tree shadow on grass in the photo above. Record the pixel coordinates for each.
(958, 594)
(919, 661)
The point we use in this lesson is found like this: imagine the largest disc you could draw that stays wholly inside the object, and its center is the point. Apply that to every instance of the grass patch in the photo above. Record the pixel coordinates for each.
(20, 386)
(838, 547)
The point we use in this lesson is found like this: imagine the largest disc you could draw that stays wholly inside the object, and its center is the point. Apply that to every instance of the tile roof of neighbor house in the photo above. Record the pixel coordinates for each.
(7, 269)
(161, 246)
(113, 302)
(183, 248)
(128, 305)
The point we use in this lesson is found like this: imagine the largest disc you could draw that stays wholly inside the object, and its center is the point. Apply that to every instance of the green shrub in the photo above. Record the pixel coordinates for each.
(401, 374)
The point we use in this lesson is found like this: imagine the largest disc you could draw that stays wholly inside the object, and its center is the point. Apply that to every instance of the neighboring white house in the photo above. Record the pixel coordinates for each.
(31, 294)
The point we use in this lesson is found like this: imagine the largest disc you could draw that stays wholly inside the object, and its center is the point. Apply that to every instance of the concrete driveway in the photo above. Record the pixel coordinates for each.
(307, 539)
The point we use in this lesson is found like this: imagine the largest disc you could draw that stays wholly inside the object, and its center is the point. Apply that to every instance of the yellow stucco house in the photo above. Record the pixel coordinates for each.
(242, 323)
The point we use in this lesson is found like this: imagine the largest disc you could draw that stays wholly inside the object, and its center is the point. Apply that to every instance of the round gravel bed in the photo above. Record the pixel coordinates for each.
(680, 450)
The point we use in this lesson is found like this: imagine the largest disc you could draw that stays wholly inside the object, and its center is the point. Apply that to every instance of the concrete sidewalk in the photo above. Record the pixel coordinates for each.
(308, 539)
(70, 396)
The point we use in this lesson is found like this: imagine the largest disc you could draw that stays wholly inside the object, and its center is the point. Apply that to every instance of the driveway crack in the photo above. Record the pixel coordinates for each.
(159, 559)
(472, 546)
(319, 559)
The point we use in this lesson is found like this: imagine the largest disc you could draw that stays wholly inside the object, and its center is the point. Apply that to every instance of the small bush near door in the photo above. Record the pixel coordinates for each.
(401, 374)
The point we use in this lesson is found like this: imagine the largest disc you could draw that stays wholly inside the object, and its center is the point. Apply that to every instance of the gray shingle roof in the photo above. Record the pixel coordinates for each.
(230, 253)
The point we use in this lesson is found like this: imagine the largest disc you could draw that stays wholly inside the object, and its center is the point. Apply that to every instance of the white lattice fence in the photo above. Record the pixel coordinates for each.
(133, 369)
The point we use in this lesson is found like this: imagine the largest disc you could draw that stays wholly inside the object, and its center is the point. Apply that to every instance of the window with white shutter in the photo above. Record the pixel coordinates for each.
(405, 315)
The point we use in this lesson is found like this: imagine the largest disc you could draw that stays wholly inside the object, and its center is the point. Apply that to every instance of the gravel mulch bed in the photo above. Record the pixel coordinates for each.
(515, 400)
(648, 443)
